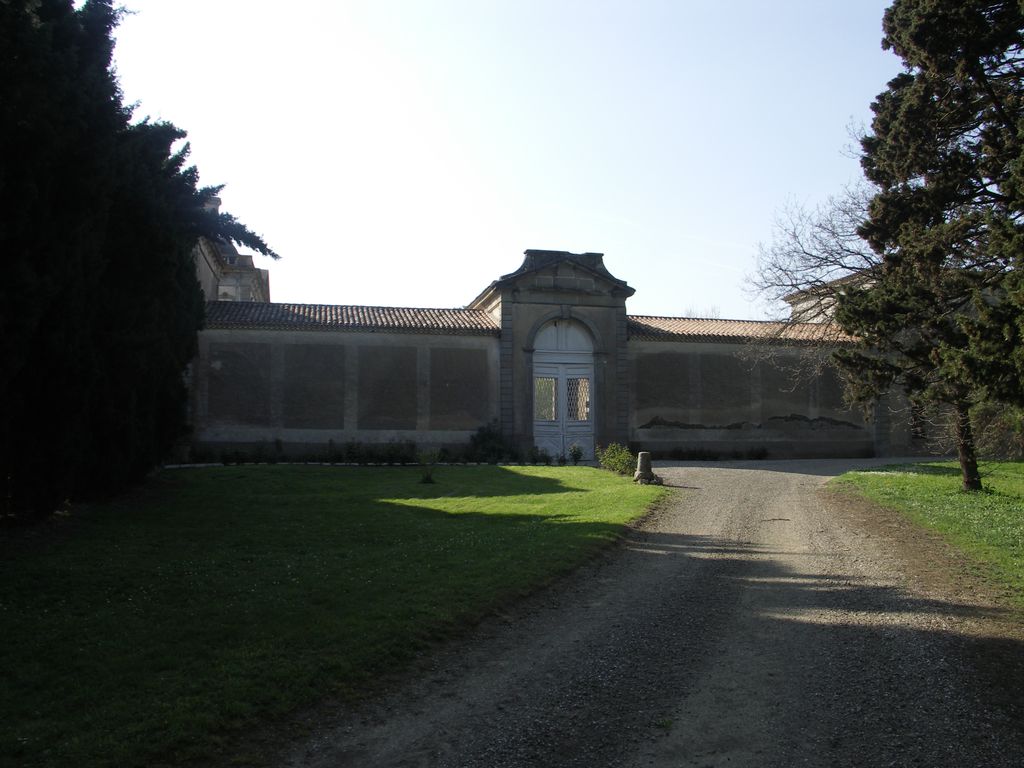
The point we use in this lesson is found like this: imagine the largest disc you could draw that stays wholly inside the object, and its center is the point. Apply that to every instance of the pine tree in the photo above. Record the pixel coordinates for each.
(946, 155)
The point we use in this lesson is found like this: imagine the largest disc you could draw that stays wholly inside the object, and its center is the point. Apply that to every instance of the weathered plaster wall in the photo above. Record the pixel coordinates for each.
(305, 388)
(712, 398)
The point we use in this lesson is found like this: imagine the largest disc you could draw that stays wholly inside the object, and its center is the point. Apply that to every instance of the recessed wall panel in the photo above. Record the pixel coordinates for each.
(239, 384)
(459, 388)
(313, 391)
(387, 387)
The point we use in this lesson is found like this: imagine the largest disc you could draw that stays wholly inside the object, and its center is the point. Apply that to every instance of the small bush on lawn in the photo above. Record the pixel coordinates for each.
(575, 453)
(427, 460)
(489, 446)
(538, 456)
(616, 458)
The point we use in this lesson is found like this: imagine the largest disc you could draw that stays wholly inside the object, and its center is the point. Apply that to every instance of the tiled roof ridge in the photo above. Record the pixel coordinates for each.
(710, 319)
(348, 306)
(469, 321)
(666, 328)
(362, 306)
(277, 315)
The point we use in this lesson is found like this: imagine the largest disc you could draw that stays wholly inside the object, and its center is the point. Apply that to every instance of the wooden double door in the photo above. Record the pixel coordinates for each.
(563, 408)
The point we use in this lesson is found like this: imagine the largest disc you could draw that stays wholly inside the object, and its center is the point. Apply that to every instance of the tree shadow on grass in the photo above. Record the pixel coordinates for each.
(399, 482)
(481, 481)
(188, 612)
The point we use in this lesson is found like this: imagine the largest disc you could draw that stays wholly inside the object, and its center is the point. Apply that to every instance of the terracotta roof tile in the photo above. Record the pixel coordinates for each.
(476, 322)
(333, 317)
(648, 328)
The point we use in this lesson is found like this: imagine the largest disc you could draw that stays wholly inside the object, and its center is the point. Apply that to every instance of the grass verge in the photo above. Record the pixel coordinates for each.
(988, 526)
(148, 630)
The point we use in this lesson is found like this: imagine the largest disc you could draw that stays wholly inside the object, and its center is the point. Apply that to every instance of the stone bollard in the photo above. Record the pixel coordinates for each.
(643, 474)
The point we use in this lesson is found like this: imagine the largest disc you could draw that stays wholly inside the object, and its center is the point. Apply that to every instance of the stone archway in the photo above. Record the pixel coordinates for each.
(563, 388)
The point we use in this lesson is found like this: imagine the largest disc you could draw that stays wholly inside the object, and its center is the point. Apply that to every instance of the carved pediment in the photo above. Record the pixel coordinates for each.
(560, 272)
(566, 276)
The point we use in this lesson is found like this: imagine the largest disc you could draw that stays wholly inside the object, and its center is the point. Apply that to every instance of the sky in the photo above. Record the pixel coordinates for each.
(406, 153)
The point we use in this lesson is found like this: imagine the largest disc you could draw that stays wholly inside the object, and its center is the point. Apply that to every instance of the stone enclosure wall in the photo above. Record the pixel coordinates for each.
(299, 377)
(304, 389)
(697, 399)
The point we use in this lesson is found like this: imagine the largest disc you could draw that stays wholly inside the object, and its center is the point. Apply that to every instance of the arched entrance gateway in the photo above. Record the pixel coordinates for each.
(563, 365)
(563, 389)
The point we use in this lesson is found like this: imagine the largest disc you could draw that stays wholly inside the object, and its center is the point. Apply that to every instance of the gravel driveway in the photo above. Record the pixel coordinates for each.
(753, 621)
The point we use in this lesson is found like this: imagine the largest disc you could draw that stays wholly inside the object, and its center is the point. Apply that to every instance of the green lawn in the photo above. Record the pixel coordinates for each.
(988, 525)
(146, 630)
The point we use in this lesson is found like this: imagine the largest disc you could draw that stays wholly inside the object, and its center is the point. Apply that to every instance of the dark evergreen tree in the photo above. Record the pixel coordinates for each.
(99, 306)
(60, 121)
(945, 152)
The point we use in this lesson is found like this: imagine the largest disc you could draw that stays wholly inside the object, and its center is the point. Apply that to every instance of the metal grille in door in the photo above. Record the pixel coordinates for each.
(578, 398)
(545, 398)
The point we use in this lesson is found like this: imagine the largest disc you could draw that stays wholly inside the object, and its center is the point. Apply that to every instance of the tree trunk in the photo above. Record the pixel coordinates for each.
(965, 449)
